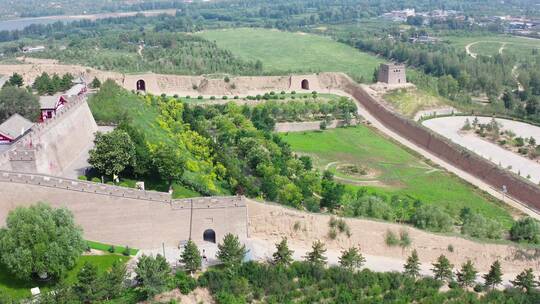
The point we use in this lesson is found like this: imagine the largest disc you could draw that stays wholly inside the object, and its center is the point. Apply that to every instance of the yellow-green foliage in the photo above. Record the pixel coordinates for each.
(409, 102)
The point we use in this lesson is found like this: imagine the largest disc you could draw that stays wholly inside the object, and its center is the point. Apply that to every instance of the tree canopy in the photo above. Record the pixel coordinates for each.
(40, 240)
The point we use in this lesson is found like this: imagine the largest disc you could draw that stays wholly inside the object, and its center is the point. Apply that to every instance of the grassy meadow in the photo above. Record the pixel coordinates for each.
(392, 170)
(282, 52)
(409, 102)
(489, 45)
(18, 289)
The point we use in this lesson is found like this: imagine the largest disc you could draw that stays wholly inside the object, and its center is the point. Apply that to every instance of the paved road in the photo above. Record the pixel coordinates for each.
(450, 127)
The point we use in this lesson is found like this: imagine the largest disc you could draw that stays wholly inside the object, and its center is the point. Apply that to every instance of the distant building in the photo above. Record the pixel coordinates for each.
(13, 128)
(391, 73)
(33, 49)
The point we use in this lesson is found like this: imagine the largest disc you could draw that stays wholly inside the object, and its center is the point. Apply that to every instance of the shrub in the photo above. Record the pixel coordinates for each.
(227, 79)
(293, 92)
(111, 249)
(282, 92)
(224, 97)
(476, 225)
(236, 97)
(450, 248)
(526, 229)
(212, 97)
(96, 180)
(432, 218)
(199, 97)
(175, 96)
(195, 87)
(391, 238)
(188, 97)
(404, 239)
(184, 282)
(126, 251)
(453, 285)
(332, 233)
(478, 288)
(83, 178)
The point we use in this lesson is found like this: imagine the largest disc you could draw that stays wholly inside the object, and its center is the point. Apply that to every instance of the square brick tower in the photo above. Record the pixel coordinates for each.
(392, 73)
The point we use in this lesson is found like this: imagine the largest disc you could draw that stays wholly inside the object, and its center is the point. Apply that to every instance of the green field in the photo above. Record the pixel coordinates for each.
(393, 170)
(17, 289)
(489, 45)
(282, 52)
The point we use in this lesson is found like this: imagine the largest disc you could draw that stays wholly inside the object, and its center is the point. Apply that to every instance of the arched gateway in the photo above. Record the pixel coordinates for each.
(305, 84)
(141, 85)
(209, 235)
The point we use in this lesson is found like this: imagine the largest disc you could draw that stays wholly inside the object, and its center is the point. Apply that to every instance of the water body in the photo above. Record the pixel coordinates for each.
(21, 23)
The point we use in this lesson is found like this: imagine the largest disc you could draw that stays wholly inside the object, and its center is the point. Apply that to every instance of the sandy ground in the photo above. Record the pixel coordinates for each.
(450, 128)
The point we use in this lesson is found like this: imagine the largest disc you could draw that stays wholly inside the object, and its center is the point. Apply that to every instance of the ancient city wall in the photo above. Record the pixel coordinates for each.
(123, 216)
(50, 147)
(458, 156)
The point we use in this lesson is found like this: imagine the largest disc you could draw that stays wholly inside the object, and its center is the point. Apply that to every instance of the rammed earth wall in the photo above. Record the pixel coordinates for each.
(123, 216)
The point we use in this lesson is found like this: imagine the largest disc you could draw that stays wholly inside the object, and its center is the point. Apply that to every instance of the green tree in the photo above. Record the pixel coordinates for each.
(191, 257)
(39, 240)
(152, 275)
(18, 100)
(316, 256)
(526, 229)
(169, 162)
(231, 253)
(351, 259)
(114, 280)
(412, 266)
(112, 152)
(88, 286)
(332, 192)
(95, 84)
(525, 280)
(467, 275)
(15, 80)
(442, 269)
(283, 255)
(494, 276)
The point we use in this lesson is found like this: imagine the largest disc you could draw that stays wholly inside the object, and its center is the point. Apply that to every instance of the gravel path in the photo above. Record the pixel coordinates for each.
(450, 128)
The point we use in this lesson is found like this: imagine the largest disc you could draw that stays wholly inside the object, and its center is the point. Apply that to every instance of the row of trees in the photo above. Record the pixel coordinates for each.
(45, 84)
(16, 99)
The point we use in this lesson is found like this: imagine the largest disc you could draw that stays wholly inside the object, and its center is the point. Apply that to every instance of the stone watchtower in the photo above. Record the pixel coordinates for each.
(392, 73)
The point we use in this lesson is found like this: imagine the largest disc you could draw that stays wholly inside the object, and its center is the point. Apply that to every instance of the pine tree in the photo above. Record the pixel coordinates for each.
(16, 80)
(95, 83)
(191, 257)
(316, 256)
(412, 267)
(87, 287)
(467, 275)
(283, 255)
(230, 252)
(525, 280)
(442, 269)
(494, 276)
(351, 259)
(114, 280)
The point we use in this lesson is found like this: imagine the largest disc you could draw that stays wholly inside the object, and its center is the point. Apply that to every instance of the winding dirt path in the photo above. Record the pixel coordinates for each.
(468, 49)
